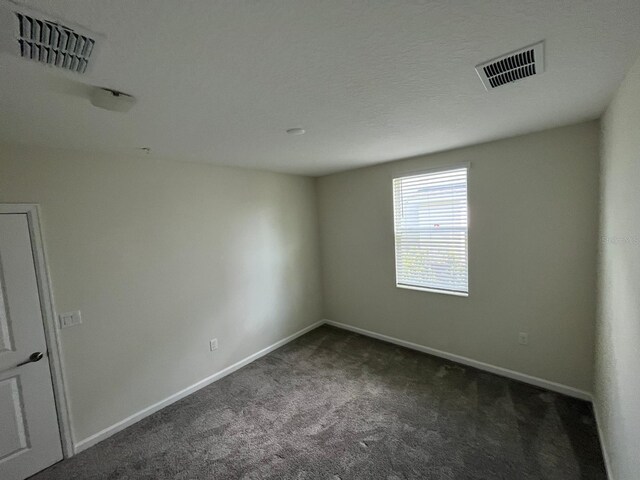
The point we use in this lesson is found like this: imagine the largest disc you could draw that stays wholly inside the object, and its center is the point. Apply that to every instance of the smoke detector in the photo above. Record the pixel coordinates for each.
(38, 37)
(512, 66)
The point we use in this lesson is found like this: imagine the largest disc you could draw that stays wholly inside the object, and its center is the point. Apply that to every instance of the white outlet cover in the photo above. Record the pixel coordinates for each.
(69, 319)
(213, 344)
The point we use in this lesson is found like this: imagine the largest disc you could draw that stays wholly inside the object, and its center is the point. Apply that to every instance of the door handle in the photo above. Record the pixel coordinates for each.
(34, 357)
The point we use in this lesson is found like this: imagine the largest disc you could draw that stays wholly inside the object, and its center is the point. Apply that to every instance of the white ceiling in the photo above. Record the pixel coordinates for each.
(370, 80)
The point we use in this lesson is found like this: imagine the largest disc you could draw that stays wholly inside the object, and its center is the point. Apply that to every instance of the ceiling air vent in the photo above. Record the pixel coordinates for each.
(512, 67)
(31, 35)
(53, 44)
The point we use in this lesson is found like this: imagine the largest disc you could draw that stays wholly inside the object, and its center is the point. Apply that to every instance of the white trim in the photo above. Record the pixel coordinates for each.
(433, 290)
(504, 372)
(136, 417)
(603, 445)
(47, 306)
(465, 166)
(433, 169)
(145, 412)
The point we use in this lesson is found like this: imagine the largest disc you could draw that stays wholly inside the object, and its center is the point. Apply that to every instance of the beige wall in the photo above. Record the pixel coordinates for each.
(533, 238)
(617, 391)
(161, 257)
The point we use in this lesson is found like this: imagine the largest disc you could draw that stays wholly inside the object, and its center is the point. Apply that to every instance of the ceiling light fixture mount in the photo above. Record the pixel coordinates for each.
(112, 100)
(296, 131)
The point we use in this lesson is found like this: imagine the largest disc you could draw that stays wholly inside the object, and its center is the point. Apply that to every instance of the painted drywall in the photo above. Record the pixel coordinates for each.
(617, 386)
(532, 255)
(160, 257)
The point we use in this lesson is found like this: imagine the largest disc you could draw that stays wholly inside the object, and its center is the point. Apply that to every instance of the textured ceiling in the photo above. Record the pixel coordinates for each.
(370, 80)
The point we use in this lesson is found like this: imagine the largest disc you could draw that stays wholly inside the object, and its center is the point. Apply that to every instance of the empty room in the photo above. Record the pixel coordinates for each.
(320, 239)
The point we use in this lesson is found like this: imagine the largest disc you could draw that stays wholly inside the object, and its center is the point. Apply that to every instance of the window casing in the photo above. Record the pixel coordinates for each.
(431, 231)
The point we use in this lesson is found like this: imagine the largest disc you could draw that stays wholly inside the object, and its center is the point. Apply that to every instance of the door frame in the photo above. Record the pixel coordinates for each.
(52, 337)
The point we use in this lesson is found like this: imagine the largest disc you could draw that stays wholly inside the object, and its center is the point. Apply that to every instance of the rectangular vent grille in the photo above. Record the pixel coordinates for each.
(52, 44)
(512, 66)
(511, 69)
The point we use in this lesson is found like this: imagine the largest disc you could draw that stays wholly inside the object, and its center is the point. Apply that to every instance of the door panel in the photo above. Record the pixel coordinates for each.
(13, 439)
(5, 334)
(29, 433)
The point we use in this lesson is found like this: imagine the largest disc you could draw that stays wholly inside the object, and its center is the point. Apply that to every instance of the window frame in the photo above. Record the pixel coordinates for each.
(426, 171)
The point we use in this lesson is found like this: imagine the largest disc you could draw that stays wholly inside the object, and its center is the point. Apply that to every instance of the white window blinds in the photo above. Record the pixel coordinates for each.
(430, 216)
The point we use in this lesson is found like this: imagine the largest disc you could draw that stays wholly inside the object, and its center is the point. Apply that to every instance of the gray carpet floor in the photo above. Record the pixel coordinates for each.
(336, 405)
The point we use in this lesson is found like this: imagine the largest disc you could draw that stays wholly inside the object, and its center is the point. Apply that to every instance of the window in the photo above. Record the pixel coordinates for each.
(431, 232)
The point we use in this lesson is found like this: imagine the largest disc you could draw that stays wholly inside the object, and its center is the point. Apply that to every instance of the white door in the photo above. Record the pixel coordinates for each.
(29, 434)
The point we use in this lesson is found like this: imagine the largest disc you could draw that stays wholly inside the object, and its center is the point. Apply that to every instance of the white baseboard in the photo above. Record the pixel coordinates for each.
(136, 417)
(522, 377)
(603, 445)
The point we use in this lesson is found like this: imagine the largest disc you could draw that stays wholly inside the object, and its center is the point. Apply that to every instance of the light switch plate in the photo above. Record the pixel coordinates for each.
(69, 319)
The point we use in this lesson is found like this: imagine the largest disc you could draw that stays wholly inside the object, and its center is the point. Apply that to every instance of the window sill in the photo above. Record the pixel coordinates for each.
(433, 290)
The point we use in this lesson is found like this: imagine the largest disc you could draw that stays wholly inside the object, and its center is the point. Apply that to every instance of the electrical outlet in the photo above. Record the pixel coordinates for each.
(213, 344)
(523, 338)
